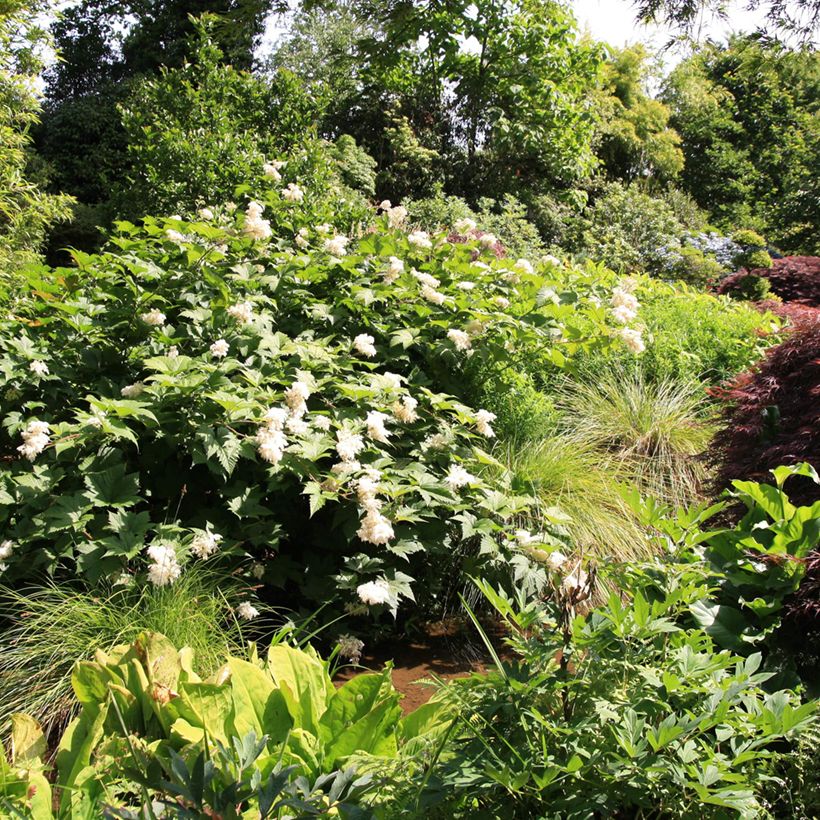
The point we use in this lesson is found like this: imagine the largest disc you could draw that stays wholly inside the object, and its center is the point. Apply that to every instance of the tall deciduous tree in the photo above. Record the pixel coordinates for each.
(749, 116)
(25, 210)
(634, 139)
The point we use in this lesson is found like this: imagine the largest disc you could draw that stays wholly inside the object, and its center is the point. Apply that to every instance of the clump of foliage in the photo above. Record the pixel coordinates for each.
(205, 387)
(50, 628)
(792, 279)
(752, 251)
(757, 564)
(26, 211)
(630, 231)
(197, 133)
(746, 111)
(649, 434)
(253, 736)
(749, 287)
(618, 709)
(771, 416)
(633, 137)
(694, 337)
(572, 478)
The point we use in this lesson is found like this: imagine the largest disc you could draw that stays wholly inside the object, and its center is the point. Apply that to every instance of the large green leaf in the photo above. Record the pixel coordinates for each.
(258, 705)
(375, 734)
(28, 743)
(724, 624)
(112, 487)
(353, 701)
(307, 679)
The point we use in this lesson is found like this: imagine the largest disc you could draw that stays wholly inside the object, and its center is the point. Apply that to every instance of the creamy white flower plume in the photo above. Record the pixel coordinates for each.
(458, 477)
(464, 226)
(375, 592)
(482, 422)
(419, 239)
(337, 246)
(405, 410)
(293, 193)
(375, 426)
(363, 344)
(165, 568)
(247, 611)
(38, 368)
(348, 444)
(35, 439)
(459, 338)
(153, 317)
(205, 544)
(242, 312)
(219, 349)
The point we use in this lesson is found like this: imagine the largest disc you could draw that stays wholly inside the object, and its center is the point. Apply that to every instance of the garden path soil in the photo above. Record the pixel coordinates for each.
(444, 652)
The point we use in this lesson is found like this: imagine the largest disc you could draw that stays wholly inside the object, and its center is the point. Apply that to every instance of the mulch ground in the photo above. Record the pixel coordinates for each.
(445, 651)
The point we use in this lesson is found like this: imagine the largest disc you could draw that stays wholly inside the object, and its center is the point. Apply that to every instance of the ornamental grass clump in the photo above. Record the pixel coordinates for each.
(50, 628)
(648, 435)
(212, 376)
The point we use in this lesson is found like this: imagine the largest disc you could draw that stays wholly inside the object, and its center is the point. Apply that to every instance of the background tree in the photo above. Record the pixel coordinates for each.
(749, 117)
(795, 17)
(25, 210)
(634, 139)
(106, 46)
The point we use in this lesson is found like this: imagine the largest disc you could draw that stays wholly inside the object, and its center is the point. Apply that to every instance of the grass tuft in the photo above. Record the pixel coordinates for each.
(51, 628)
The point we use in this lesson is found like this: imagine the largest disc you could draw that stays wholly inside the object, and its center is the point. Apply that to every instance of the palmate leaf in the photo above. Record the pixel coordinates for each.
(112, 487)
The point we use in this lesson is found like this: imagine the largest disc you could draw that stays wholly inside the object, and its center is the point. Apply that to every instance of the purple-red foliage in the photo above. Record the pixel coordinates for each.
(799, 315)
(772, 416)
(792, 278)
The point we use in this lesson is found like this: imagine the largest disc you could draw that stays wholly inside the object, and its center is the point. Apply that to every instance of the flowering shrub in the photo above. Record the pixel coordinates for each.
(208, 389)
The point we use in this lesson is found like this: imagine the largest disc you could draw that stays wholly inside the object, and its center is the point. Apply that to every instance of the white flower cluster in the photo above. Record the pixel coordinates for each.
(375, 527)
(242, 312)
(247, 611)
(205, 544)
(39, 368)
(624, 309)
(35, 439)
(395, 268)
(374, 593)
(404, 410)
(482, 420)
(219, 349)
(363, 344)
(271, 169)
(255, 227)
(6, 548)
(487, 240)
(624, 304)
(464, 226)
(350, 648)
(165, 568)
(205, 213)
(270, 438)
(375, 426)
(395, 214)
(348, 445)
(457, 477)
(460, 339)
(293, 193)
(175, 236)
(419, 239)
(153, 317)
(302, 240)
(131, 391)
(524, 266)
(337, 245)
